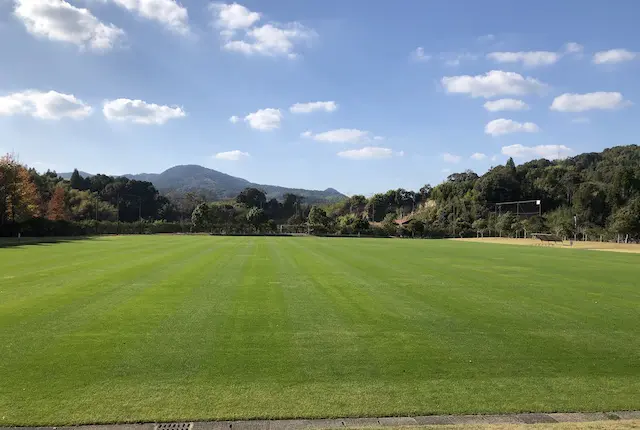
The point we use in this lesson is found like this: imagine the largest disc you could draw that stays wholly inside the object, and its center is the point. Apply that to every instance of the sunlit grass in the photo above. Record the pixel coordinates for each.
(178, 327)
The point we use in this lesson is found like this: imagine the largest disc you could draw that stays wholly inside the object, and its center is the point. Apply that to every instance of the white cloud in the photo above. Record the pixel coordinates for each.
(502, 126)
(583, 102)
(234, 119)
(492, 84)
(306, 134)
(60, 21)
(505, 104)
(378, 138)
(234, 155)
(264, 119)
(419, 55)
(314, 106)
(231, 17)
(272, 39)
(573, 48)
(451, 158)
(341, 135)
(169, 13)
(613, 56)
(140, 112)
(369, 152)
(529, 59)
(551, 152)
(44, 105)
(478, 156)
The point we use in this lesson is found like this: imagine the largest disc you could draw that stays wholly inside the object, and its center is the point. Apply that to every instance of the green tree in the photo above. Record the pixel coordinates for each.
(416, 228)
(480, 226)
(389, 224)
(357, 204)
(500, 184)
(77, 182)
(252, 198)
(361, 225)
(352, 224)
(511, 166)
(425, 193)
(318, 216)
(296, 219)
(590, 201)
(506, 223)
(168, 211)
(201, 218)
(8, 183)
(376, 208)
(256, 217)
(626, 220)
(534, 224)
(561, 221)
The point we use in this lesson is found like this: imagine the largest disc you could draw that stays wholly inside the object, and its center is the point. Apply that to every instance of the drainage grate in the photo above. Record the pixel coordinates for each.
(173, 426)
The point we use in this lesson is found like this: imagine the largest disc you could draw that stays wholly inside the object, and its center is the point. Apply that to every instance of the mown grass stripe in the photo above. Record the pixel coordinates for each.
(181, 328)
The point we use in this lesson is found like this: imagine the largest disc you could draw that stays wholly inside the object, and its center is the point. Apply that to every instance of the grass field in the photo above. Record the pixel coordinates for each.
(198, 327)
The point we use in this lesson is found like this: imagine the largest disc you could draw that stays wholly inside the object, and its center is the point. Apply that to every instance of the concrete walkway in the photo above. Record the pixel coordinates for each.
(533, 418)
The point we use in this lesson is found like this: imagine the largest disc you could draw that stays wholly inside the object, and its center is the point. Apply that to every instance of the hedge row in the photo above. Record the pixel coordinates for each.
(40, 227)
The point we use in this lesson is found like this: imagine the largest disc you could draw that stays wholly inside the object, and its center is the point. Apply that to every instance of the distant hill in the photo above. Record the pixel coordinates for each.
(217, 185)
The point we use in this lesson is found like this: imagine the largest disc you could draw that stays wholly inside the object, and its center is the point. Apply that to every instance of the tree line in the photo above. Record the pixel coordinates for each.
(26, 195)
(591, 195)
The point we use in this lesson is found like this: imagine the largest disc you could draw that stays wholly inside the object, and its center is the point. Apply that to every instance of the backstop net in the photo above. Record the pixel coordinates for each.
(522, 208)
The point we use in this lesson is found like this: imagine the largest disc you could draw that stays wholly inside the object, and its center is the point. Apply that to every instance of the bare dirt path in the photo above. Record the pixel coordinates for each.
(592, 246)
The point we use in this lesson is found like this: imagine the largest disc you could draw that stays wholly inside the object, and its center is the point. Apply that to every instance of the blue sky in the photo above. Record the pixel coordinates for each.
(403, 92)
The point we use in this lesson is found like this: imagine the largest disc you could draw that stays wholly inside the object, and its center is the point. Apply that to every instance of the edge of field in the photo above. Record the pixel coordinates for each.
(594, 425)
(589, 246)
(569, 421)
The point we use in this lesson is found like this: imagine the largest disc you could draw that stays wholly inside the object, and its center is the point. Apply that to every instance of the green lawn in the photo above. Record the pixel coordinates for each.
(192, 328)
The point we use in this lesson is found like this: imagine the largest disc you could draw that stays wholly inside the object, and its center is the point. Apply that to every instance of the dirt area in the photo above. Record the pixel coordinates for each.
(592, 246)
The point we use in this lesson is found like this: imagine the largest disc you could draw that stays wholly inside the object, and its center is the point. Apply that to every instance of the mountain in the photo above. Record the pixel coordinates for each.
(218, 186)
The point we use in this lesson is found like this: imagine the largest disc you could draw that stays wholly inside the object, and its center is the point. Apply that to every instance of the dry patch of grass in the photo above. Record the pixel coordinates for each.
(592, 246)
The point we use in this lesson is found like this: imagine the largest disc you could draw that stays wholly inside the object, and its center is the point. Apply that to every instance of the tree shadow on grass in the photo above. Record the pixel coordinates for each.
(10, 242)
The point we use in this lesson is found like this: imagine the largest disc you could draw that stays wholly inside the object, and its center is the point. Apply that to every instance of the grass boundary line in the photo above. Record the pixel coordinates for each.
(347, 423)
